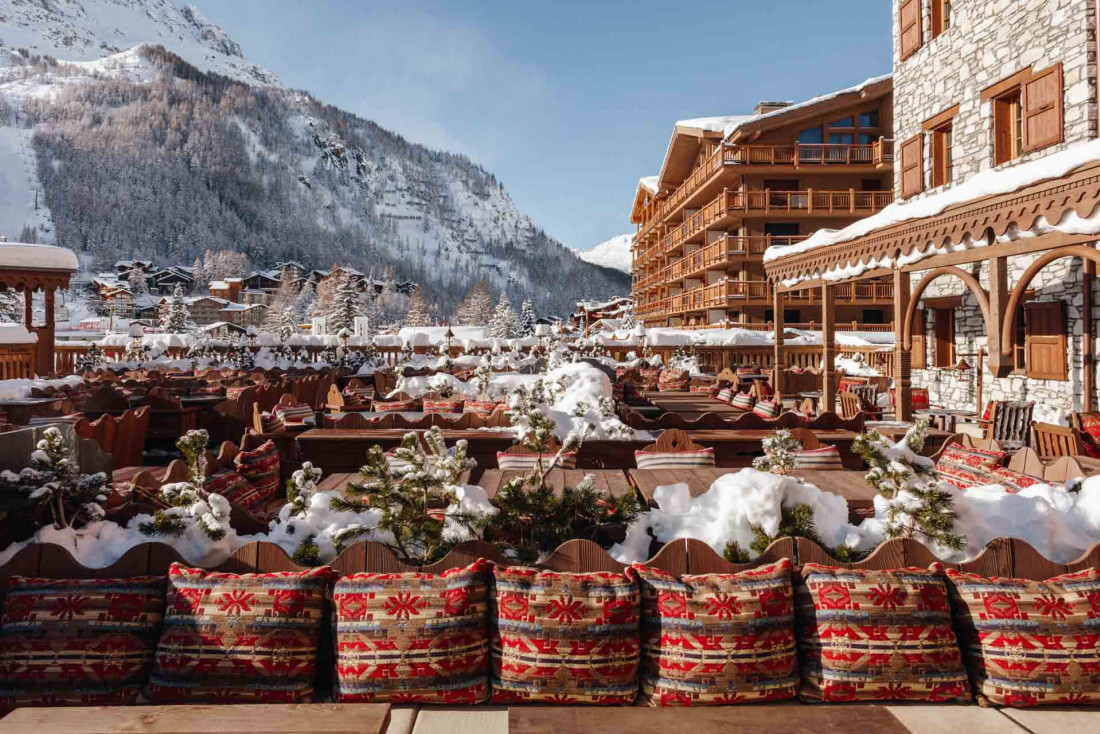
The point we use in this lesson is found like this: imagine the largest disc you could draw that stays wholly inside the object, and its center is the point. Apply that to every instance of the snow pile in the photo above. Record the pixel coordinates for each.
(19, 389)
(854, 367)
(707, 337)
(16, 334)
(582, 405)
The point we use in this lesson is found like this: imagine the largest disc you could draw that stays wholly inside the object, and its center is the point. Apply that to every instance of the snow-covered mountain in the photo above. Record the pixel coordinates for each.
(85, 30)
(137, 153)
(615, 253)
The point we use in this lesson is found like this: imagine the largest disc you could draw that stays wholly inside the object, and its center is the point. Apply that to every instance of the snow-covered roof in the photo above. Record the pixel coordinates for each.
(219, 285)
(16, 334)
(988, 183)
(19, 256)
(650, 183)
(713, 124)
(232, 280)
(196, 299)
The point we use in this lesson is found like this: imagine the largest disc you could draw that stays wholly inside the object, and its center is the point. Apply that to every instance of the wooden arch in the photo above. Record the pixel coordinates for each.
(968, 280)
(1008, 330)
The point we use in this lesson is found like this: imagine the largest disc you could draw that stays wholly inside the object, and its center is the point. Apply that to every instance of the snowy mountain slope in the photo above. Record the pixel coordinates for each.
(615, 253)
(84, 30)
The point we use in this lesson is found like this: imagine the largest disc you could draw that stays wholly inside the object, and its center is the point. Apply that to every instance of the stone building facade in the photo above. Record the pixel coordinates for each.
(989, 41)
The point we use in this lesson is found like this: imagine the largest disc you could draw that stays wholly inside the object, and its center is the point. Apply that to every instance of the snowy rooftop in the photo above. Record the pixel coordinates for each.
(650, 183)
(18, 256)
(219, 285)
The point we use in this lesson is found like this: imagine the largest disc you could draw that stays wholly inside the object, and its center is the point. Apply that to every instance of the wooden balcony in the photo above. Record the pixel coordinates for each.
(729, 250)
(759, 293)
(807, 203)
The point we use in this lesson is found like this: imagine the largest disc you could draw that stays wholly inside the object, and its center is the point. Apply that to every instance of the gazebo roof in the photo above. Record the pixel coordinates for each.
(25, 266)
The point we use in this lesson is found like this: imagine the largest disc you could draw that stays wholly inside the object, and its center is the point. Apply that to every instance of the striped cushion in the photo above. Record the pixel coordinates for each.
(260, 467)
(412, 637)
(725, 395)
(396, 406)
(1030, 643)
(674, 459)
(443, 406)
(826, 458)
(743, 401)
(293, 414)
(877, 636)
(766, 409)
(525, 462)
(673, 380)
(351, 400)
(481, 407)
(965, 467)
(248, 638)
(564, 637)
(270, 423)
(231, 485)
(711, 389)
(718, 638)
(78, 643)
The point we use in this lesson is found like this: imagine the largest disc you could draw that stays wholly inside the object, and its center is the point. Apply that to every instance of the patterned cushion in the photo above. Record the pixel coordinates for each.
(525, 462)
(742, 400)
(710, 389)
(1013, 481)
(248, 638)
(1090, 426)
(919, 398)
(877, 635)
(260, 467)
(412, 637)
(1030, 643)
(965, 467)
(718, 638)
(443, 406)
(564, 637)
(78, 643)
(232, 393)
(482, 407)
(650, 378)
(396, 406)
(748, 371)
(673, 380)
(231, 485)
(826, 458)
(270, 423)
(293, 414)
(674, 459)
(351, 400)
(766, 409)
(725, 395)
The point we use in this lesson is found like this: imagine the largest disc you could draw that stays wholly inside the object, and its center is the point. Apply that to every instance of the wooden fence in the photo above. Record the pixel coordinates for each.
(17, 361)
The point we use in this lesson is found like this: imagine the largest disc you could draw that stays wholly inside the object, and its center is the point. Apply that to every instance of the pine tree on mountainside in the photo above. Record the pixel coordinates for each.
(288, 325)
(282, 303)
(305, 302)
(11, 306)
(345, 306)
(476, 308)
(527, 319)
(504, 323)
(138, 283)
(176, 315)
(199, 274)
(418, 314)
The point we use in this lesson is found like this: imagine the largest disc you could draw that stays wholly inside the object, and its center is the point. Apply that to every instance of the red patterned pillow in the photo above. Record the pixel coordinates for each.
(1030, 643)
(396, 406)
(918, 398)
(673, 381)
(78, 643)
(1090, 426)
(239, 638)
(443, 406)
(293, 414)
(965, 467)
(412, 637)
(564, 637)
(1013, 481)
(481, 407)
(718, 638)
(231, 485)
(260, 468)
(877, 636)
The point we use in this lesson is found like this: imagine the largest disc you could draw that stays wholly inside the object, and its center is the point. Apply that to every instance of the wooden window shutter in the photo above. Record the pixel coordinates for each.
(1045, 340)
(919, 353)
(912, 166)
(910, 31)
(1042, 103)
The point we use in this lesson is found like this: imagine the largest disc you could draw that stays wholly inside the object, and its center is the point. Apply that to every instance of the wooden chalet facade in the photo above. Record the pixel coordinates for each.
(992, 259)
(732, 187)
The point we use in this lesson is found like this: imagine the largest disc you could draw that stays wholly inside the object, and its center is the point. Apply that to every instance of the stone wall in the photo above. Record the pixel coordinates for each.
(1054, 400)
(990, 40)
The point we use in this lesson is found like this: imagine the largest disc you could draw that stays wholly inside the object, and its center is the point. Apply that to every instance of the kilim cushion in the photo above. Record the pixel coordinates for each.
(352, 400)
(673, 380)
(248, 638)
(718, 638)
(748, 370)
(965, 467)
(725, 395)
(564, 637)
(674, 459)
(743, 401)
(1030, 643)
(482, 407)
(413, 637)
(918, 398)
(78, 643)
(710, 389)
(260, 467)
(826, 458)
(443, 406)
(766, 409)
(1090, 426)
(525, 462)
(1013, 481)
(650, 378)
(293, 414)
(396, 406)
(231, 485)
(270, 423)
(877, 635)
(232, 393)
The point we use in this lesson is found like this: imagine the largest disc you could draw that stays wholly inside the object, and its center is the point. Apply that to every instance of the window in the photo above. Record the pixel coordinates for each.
(941, 17)
(942, 143)
(869, 119)
(944, 323)
(870, 184)
(910, 31)
(912, 166)
(811, 136)
(867, 138)
(874, 316)
(844, 122)
(1027, 112)
(792, 316)
(1008, 130)
(841, 138)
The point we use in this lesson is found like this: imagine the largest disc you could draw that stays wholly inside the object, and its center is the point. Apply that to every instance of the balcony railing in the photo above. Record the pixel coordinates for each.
(760, 292)
(808, 202)
(728, 249)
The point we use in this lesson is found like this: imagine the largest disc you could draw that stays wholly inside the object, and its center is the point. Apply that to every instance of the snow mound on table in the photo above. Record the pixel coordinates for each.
(19, 389)
(577, 410)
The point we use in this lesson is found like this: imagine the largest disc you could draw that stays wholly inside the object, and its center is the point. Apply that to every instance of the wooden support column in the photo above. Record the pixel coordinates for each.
(903, 387)
(1088, 366)
(46, 335)
(28, 308)
(1000, 363)
(780, 361)
(828, 338)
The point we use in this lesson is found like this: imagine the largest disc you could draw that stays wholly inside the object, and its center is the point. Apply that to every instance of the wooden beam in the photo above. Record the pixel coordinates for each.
(1020, 247)
(999, 292)
(903, 388)
(828, 339)
(1088, 365)
(779, 361)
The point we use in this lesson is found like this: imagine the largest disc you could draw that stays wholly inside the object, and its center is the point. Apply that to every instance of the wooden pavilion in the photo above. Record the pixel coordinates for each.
(27, 269)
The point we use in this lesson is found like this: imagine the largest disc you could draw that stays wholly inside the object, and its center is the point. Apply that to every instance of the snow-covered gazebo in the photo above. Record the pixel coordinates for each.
(26, 269)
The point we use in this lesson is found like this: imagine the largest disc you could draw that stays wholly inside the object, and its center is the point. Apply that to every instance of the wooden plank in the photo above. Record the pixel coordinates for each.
(461, 720)
(644, 481)
(576, 556)
(491, 481)
(617, 482)
(788, 718)
(202, 719)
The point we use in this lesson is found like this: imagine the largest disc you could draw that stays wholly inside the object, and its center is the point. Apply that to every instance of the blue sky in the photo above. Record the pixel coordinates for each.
(567, 102)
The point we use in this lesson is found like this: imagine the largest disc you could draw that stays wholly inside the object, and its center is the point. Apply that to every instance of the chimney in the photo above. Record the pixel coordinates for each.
(763, 108)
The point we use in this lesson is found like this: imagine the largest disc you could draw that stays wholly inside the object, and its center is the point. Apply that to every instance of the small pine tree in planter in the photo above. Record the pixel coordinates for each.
(192, 507)
(780, 450)
(917, 505)
(417, 501)
(301, 487)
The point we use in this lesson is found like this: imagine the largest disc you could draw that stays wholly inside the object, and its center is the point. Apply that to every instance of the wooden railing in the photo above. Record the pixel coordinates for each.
(718, 295)
(808, 202)
(17, 361)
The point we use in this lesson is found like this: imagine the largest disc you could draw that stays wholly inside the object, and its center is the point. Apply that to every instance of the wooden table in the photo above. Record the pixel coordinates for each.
(336, 450)
(613, 481)
(933, 439)
(945, 419)
(371, 718)
(21, 410)
(791, 718)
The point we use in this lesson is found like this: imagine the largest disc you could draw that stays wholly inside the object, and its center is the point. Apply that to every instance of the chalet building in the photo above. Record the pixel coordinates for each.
(291, 270)
(732, 187)
(246, 315)
(204, 310)
(589, 312)
(125, 266)
(228, 289)
(263, 280)
(995, 112)
(166, 279)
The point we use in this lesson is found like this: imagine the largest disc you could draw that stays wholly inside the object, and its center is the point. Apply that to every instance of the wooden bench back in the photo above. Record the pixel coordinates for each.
(1051, 441)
